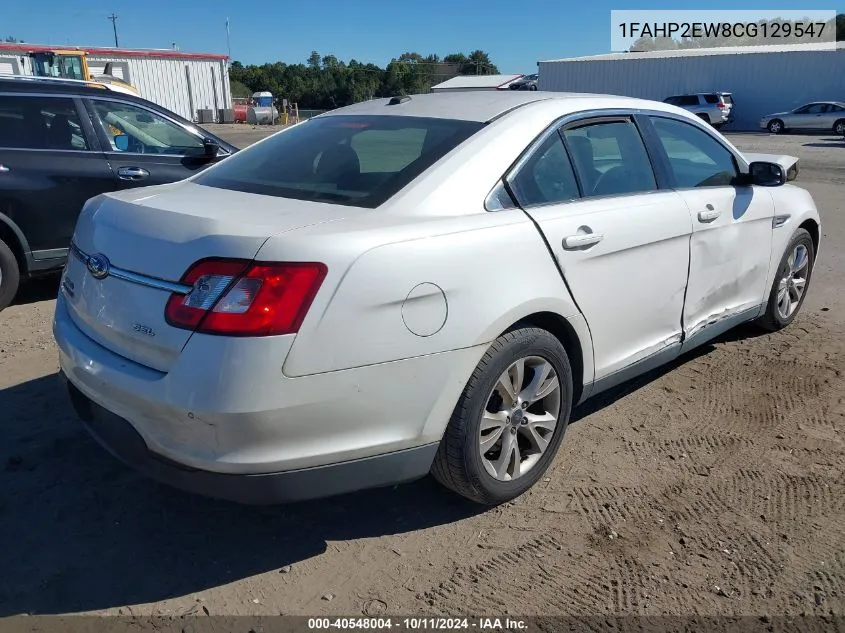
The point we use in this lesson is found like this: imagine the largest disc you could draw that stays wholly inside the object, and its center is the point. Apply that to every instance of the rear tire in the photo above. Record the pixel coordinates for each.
(704, 118)
(497, 461)
(794, 273)
(839, 127)
(9, 275)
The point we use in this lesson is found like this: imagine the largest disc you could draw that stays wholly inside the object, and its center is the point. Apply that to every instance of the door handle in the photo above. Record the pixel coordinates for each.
(582, 240)
(709, 215)
(132, 173)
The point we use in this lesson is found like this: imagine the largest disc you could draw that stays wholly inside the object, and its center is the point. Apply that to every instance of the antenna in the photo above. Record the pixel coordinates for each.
(113, 19)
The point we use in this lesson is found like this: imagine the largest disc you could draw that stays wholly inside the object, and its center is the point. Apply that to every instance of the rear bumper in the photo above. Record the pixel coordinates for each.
(120, 438)
(226, 421)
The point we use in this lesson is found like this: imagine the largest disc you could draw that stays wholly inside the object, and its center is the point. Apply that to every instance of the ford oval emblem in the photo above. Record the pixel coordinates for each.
(98, 266)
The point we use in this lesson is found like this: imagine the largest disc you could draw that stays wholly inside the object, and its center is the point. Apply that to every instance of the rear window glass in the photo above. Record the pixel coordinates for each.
(354, 160)
(727, 99)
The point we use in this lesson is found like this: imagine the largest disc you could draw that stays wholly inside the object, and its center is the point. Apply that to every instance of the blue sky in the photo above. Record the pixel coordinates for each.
(515, 34)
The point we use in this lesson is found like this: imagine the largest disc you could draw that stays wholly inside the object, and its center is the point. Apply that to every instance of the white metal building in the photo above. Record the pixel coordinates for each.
(763, 79)
(182, 82)
(464, 83)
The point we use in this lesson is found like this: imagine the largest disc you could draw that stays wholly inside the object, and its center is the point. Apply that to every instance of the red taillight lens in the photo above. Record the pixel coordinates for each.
(722, 106)
(242, 298)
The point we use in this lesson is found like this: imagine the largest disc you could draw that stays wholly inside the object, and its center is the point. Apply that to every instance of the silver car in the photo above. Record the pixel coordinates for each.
(820, 115)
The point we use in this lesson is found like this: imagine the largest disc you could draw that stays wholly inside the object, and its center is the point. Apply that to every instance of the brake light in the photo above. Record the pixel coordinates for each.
(244, 298)
(722, 106)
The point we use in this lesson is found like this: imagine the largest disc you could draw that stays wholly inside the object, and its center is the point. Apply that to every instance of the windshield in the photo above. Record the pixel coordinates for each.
(354, 160)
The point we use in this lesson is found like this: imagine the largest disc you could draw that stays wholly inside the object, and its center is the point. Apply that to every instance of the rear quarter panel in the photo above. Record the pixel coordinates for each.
(430, 287)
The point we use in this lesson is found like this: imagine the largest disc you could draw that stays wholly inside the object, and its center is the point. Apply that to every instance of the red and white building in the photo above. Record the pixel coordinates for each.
(182, 82)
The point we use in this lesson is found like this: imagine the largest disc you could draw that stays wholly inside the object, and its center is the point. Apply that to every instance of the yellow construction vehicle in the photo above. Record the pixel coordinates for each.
(73, 64)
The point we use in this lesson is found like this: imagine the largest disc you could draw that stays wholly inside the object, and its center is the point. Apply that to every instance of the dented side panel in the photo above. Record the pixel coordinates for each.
(729, 254)
(629, 284)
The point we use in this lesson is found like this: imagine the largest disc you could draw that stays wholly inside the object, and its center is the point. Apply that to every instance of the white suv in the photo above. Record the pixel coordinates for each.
(714, 107)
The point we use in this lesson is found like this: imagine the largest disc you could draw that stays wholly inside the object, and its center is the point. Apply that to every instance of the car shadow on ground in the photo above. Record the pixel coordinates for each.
(834, 141)
(39, 289)
(82, 532)
(607, 398)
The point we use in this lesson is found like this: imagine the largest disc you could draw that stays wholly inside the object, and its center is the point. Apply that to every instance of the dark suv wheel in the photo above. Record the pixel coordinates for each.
(9, 275)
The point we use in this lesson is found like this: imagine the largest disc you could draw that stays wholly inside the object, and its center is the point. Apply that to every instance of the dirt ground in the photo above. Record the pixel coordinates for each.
(715, 486)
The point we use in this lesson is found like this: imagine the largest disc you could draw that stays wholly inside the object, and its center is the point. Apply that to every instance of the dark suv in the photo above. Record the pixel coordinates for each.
(63, 142)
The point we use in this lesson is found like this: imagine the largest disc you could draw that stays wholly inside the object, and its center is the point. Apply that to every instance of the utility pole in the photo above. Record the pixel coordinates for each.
(113, 19)
(228, 43)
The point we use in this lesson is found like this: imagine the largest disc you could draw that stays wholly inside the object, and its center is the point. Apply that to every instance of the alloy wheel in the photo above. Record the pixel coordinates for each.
(793, 281)
(520, 418)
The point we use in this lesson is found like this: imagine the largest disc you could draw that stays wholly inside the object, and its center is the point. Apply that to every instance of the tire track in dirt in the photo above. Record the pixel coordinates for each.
(724, 491)
(692, 454)
(542, 577)
(780, 497)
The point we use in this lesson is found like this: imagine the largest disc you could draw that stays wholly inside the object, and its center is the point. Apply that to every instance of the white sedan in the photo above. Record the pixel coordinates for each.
(417, 284)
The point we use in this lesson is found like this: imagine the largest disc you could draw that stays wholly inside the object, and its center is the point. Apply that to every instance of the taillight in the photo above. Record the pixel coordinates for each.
(722, 106)
(244, 298)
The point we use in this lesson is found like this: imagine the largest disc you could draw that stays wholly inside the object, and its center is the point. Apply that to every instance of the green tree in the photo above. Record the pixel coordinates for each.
(327, 82)
(239, 89)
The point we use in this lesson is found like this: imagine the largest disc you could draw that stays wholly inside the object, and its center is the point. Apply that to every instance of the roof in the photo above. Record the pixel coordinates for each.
(476, 81)
(703, 52)
(480, 106)
(23, 48)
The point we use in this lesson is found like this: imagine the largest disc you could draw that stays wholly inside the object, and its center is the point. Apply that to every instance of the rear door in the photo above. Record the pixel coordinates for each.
(621, 244)
(732, 228)
(51, 166)
(143, 146)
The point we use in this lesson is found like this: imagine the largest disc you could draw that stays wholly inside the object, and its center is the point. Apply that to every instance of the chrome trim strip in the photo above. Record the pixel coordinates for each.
(134, 278)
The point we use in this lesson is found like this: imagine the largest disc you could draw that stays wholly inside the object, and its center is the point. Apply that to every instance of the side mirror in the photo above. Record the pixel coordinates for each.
(121, 142)
(212, 148)
(766, 174)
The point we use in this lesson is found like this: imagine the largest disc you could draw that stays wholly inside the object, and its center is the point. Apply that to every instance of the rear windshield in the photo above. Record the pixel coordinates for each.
(353, 160)
(727, 99)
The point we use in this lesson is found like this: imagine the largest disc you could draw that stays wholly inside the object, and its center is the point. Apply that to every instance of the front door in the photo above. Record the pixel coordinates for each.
(732, 230)
(144, 147)
(622, 246)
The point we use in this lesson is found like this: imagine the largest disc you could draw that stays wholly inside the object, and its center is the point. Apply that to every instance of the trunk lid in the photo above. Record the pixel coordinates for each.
(155, 234)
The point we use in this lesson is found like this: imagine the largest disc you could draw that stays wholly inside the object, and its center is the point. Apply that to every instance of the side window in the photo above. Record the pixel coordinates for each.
(610, 158)
(546, 177)
(816, 108)
(40, 123)
(696, 158)
(711, 98)
(130, 128)
(689, 100)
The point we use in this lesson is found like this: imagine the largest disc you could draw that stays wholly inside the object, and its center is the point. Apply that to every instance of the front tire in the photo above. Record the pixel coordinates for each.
(776, 126)
(510, 419)
(791, 283)
(9, 275)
